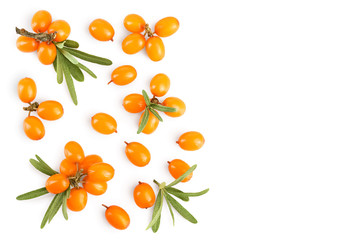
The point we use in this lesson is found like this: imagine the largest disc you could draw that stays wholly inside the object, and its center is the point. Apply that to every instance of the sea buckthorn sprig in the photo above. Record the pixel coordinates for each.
(50, 40)
(165, 192)
(78, 176)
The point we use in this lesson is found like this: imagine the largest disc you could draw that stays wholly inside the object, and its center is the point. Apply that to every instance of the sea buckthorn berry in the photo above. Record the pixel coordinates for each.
(123, 75)
(177, 168)
(74, 152)
(46, 53)
(191, 141)
(57, 183)
(155, 48)
(88, 161)
(117, 217)
(144, 195)
(134, 23)
(26, 90)
(101, 30)
(62, 29)
(50, 110)
(104, 123)
(68, 167)
(176, 103)
(41, 21)
(133, 43)
(94, 188)
(34, 128)
(77, 199)
(166, 26)
(159, 85)
(100, 172)
(134, 103)
(137, 154)
(27, 44)
(151, 124)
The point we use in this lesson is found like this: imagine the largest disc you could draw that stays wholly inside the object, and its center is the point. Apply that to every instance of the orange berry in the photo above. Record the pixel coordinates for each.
(62, 29)
(74, 152)
(101, 30)
(41, 21)
(155, 48)
(144, 195)
(27, 44)
(100, 172)
(50, 110)
(133, 43)
(94, 188)
(137, 154)
(104, 123)
(191, 141)
(134, 23)
(26, 90)
(177, 103)
(123, 75)
(151, 125)
(134, 103)
(177, 168)
(166, 26)
(77, 199)
(88, 161)
(34, 128)
(117, 217)
(57, 183)
(159, 85)
(68, 167)
(46, 53)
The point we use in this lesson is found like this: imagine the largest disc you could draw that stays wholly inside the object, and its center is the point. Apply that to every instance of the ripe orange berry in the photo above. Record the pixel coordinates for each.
(166, 26)
(134, 103)
(68, 167)
(27, 44)
(144, 195)
(94, 188)
(155, 48)
(177, 168)
(101, 30)
(151, 125)
(134, 23)
(177, 103)
(123, 75)
(46, 53)
(133, 43)
(191, 141)
(74, 152)
(34, 128)
(41, 21)
(88, 161)
(137, 153)
(100, 172)
(117, 217)
(62, 29)
(77, 199)
(50, 110)
(26, 90)
(57, 183)
(159, 85)
(104, 123)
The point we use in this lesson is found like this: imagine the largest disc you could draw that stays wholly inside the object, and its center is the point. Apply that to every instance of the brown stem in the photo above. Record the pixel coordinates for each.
(155, 100)
(126, 142)
(32, 108)
(42, 37)
(105, 206)
(148, 31)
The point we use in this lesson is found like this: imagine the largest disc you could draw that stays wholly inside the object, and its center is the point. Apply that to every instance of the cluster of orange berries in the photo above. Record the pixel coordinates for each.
(42, 23)
(48, 110)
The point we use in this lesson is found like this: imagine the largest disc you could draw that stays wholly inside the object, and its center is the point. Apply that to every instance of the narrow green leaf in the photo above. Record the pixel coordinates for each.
(190, 170)
(157, 211)
(59, 70)
(88, 57)
(32, 194)
(71, 44)
(156, 114)
(57, 205)
(177, 193)
(64, 207)
(162, 108)
(55, 63)
(45, 165)
(196, 194)
(170, 208)
(146, 97)
(86, 70)
(40, 167)
(51, 209)
(70, 84)
(180, 209)
(69, 56)
(157, 204)
(75, 71)
(144, 121)
(60, 45)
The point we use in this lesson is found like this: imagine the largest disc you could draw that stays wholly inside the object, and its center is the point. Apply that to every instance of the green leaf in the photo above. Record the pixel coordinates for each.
(170, 209)
(177, 193)
(32, 194)
(88, 57)
(64, 207)
(52, 209)
(144, 121)
(40, 165)
(156, 114)
(157, 205)
(75, 71)
(157, 210)
(180, 209)
(196, 194)
(70, 84)
(60, 44)
(55, 63)
(59, 70)
(71, 44)
(190, 170)
(162, 108)
(86, 70)
(146, 97)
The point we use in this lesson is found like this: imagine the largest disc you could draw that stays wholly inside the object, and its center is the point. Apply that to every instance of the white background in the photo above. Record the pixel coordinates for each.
(272, 85)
